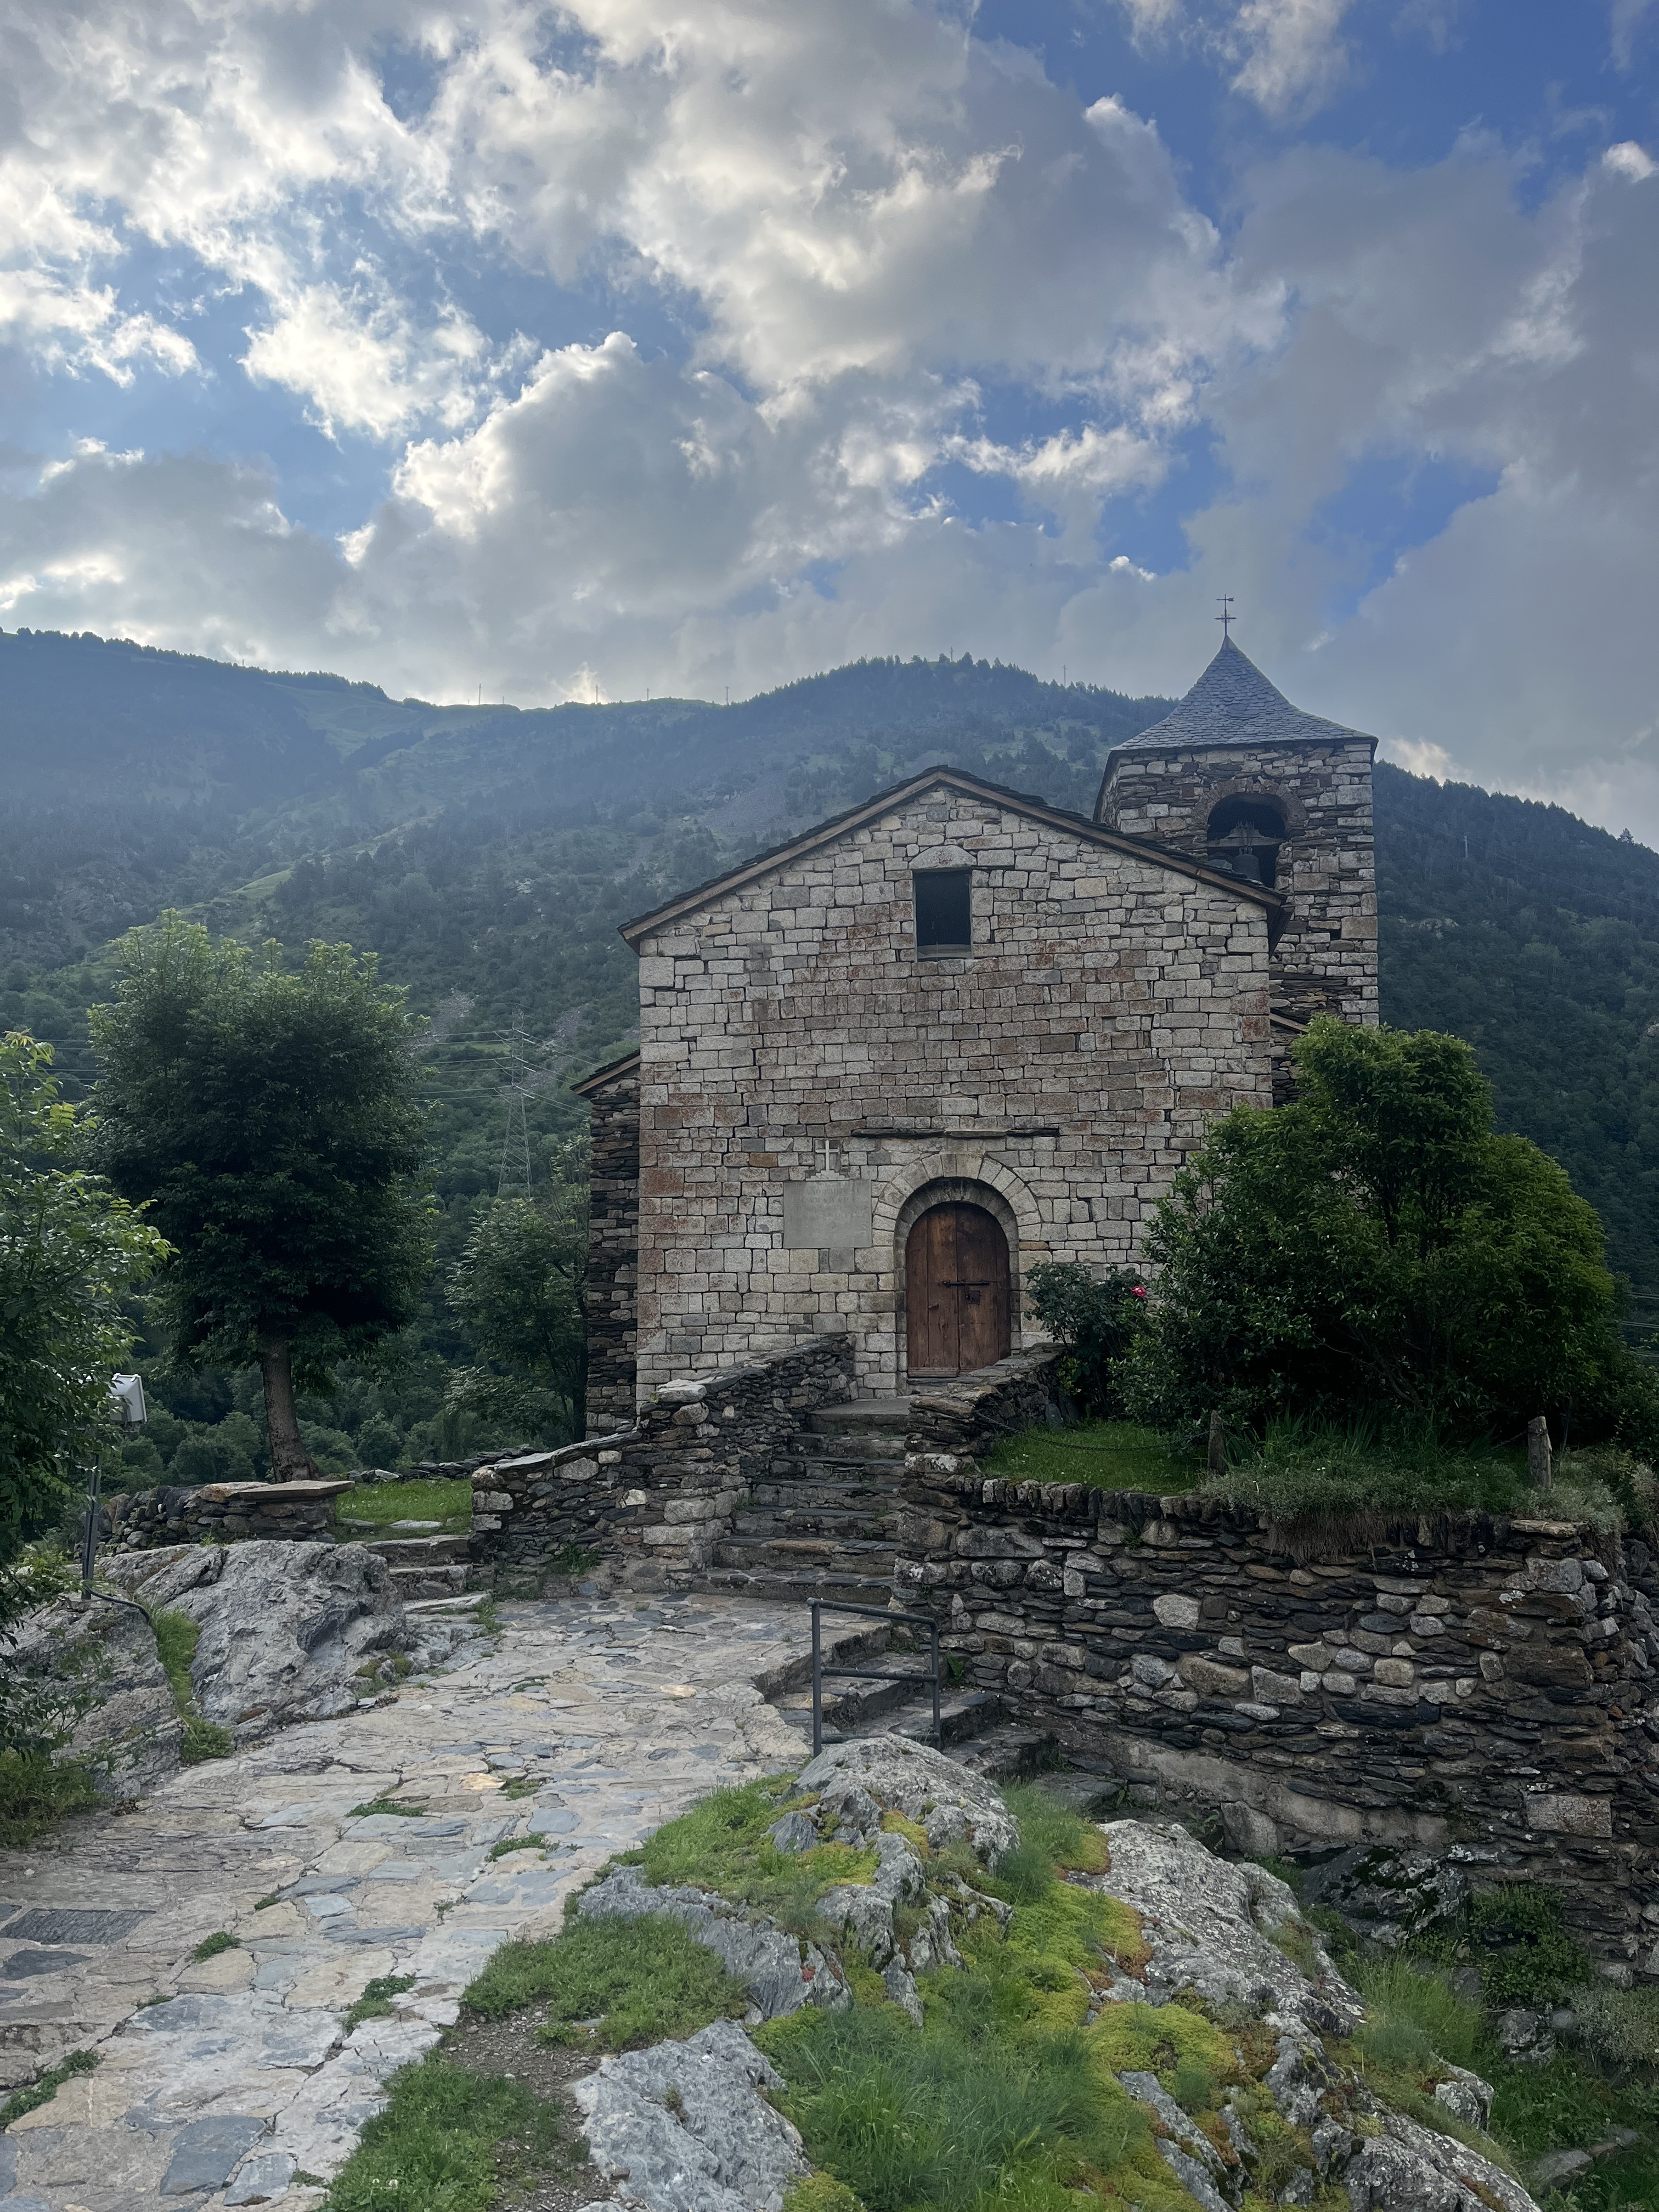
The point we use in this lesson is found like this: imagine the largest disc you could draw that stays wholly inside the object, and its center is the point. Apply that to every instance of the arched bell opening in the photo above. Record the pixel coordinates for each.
(958, 1290)
(1243, 836)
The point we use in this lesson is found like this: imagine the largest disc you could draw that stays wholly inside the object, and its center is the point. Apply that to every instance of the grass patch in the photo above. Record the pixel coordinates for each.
(211, 1946)
(572, 1560)
(449, 1504)
(204, 1740)
(1302, 1474)
(375, 2002)
(448, 2141)
(36, 1791)
(392, 1805)
(42, 2090)
(508, 1845)
(635, 1981)
(1101, 1455)
(721, 1844)
(176, 1638)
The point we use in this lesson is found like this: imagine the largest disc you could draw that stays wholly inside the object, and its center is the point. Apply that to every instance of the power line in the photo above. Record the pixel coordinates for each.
(517, 1091)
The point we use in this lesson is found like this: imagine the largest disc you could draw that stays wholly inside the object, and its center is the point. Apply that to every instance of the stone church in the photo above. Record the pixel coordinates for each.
(886, 1067)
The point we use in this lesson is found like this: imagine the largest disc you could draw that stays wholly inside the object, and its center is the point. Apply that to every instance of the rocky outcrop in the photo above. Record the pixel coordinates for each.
(1211, 1926)
(102, 1657)
(951, 1804)
(780, 1971)
(289, 1632)
(684, 2127)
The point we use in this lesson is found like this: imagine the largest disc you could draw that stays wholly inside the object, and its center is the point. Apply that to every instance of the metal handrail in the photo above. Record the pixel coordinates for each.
(820, 1605)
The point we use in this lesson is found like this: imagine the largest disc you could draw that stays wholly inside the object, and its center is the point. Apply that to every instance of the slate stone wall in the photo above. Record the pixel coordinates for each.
(613, 1235)
(295, 1512)
(1325, 956)
(1110, 1008)
(652, 1501)
(1476, 1685)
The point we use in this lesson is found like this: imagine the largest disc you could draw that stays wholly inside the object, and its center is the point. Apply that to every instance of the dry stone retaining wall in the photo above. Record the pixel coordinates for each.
(1475, 1686)
(653, 1500)
(297, 1513)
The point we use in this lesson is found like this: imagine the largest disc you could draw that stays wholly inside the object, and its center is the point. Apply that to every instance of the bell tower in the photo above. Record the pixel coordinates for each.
(1239, 777)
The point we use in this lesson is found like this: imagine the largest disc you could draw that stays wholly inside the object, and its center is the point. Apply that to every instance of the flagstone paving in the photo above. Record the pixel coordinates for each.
(230, 2081)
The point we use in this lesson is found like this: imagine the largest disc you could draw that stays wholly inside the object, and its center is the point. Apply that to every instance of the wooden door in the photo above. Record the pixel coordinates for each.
(956, 1281)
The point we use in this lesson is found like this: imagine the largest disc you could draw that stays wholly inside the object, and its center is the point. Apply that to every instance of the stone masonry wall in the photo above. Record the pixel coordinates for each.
(652, 1500)
(1325, 959)
(1477, 1685)
(613, 1235)
(1110, 1008)
(296, 1512)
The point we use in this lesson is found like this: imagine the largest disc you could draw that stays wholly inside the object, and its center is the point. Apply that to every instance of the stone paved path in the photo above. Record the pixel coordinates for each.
(241, 2080)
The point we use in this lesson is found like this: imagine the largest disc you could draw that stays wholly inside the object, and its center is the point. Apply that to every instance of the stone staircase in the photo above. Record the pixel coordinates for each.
(824, 1523)
(424, 1566)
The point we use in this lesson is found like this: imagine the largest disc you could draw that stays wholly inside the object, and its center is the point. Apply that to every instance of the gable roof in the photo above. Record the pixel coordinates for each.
(1018, 802)
(624, 1064)
(1232, 703)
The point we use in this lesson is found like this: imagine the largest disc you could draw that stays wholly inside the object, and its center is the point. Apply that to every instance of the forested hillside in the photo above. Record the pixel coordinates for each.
(487, 855)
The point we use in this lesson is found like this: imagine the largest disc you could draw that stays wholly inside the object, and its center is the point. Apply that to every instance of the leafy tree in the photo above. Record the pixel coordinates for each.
(518, 1288)
(69, 1252)
(1093, 1319)
(269, 1119)
(1374, 1245)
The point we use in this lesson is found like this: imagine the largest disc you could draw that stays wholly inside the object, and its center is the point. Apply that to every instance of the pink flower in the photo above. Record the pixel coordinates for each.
(1139, 1292)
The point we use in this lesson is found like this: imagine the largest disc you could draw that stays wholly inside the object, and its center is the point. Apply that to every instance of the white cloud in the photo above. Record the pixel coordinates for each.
(1293, 53)
(835, 248)
(359, 364)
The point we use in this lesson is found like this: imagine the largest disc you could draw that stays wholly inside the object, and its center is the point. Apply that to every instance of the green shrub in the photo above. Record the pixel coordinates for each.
(642, 1981)
(176, 1638)
(1376, 1244)
(37, 1791)
(1093, 1319)
(1514, 1937)
(211, 1946)
(1618, 2028)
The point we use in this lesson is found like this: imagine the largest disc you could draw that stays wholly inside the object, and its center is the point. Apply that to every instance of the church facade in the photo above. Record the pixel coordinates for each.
(887, 1067)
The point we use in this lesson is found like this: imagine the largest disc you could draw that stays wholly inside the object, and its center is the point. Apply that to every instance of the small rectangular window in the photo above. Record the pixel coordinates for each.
(944, 910)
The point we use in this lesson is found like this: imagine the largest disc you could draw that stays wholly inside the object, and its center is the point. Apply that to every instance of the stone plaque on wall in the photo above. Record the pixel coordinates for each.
(832, 1210)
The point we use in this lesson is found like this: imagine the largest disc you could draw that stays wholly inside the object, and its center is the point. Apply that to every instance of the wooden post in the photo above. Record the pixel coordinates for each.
(1539, 1458)
(1218, 1461)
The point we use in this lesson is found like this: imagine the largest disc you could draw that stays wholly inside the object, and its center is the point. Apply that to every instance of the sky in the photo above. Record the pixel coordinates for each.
(523, 353)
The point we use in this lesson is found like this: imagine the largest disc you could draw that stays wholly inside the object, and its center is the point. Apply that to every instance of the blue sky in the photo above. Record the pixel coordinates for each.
(630, 345)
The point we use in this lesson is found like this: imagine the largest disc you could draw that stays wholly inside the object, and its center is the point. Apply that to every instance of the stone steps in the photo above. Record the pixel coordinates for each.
(798, 1584)
(832, 1497)
(862, 1416)
(841, 1451)
(873, 1525)
(419, 1551)
(438, 1580)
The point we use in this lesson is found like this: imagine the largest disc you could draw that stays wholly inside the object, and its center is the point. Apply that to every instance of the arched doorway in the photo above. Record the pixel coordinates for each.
(955, 1291)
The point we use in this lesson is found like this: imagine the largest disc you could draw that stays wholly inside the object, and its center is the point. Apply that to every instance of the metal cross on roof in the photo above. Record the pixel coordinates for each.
(1226, 615)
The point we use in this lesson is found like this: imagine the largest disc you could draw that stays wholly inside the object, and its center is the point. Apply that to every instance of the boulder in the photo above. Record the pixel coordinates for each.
(102, 1656)
(950, 1803)
(286, 1627)
(684, 2127)
(1387, 1893)
(1210, 1924)
(781, 1972)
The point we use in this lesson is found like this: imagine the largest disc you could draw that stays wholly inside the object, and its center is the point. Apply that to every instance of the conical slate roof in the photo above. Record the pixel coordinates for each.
(1232, 703)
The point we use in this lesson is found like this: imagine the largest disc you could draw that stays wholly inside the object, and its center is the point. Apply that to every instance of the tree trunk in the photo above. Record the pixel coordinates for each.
(289, 1460)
